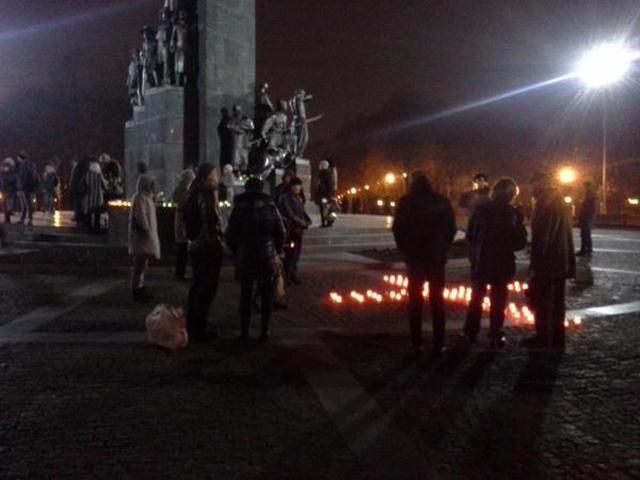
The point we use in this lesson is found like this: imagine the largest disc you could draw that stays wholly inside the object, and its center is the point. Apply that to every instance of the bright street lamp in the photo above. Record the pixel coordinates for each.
(567, 175)
(390, 178)
(601, 67)
(604, 65)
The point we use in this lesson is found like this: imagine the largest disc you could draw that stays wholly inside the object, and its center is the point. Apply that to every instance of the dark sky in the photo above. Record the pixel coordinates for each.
(64, 63)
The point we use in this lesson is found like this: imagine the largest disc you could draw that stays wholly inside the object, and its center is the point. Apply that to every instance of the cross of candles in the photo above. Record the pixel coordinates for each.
(396, 291)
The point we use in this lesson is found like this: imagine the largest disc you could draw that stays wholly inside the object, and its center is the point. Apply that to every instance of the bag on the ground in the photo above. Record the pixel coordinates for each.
(166, 327)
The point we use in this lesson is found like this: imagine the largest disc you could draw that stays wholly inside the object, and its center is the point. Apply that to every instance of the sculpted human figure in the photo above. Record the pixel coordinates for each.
(241, 127)
(263, 106)
(163, 39)
(173, 6)
(149, 56)
(275, 128)
(181, 47)
(300, 120)
(134, 79)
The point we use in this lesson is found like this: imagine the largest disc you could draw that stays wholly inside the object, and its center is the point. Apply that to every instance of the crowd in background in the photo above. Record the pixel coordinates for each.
(91, 184)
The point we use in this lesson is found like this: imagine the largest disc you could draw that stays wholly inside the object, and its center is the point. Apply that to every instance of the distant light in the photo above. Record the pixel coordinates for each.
(353, 190)
(568, 199)
(393, 204)
(390, 178)
(567, 175)
(366, 187)
(604, 65)
(381, 203)
(633, 201)
(404, 174)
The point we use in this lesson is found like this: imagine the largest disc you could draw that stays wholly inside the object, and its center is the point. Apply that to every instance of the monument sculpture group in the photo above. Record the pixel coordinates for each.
(190, 83)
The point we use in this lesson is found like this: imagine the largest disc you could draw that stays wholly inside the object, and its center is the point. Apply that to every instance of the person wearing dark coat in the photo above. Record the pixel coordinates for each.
(296, 220)
(27, 184)
(496, 230)
(256, 236)
(325, 193)
(8, 187)
(204, 230)
(77, 188)
(586, 216)
(424, 228)
(552, 262)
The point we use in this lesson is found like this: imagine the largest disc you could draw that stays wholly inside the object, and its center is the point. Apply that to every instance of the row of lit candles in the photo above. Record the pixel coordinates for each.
(459, 295)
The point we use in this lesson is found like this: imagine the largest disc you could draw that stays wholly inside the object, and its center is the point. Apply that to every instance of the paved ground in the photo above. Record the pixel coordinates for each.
(334, 396)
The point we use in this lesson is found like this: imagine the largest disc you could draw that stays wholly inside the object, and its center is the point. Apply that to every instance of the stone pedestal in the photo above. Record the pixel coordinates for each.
(227, 50)
(178, 126)
(157, 136)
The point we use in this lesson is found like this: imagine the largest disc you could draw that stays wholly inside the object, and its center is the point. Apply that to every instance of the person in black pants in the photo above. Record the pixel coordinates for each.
(296, 220)
(496, 230)
(255, 235)
(202, 224)
(586, 216)
(424, 228)
(552, 262)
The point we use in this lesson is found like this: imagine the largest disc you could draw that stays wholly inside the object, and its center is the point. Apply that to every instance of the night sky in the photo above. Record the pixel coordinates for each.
(371, 64)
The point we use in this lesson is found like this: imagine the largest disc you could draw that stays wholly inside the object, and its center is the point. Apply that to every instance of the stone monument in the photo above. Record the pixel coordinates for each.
(175, 123)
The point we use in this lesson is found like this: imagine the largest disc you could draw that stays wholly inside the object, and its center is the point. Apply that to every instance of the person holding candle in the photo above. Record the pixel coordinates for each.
(495, 232)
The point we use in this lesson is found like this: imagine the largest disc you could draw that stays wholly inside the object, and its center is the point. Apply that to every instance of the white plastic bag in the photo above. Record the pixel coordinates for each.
(166, 327)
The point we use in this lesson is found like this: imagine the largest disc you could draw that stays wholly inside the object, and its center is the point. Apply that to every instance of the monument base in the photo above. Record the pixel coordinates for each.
(159, 135)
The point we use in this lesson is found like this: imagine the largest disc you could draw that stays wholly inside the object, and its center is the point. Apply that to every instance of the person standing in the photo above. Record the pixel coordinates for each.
(204, 231)
(8, 187)
(296, 220)
(552, 263)
(27, 183)
(325, 193)
(77, 188)
(283, 186)
(114, 187)
(479, 194)
(496, 230)
(144, 243)
(93, 199)
(256, 237)
(50, 183)
(180, 195)
(424, 228)
(586, 216)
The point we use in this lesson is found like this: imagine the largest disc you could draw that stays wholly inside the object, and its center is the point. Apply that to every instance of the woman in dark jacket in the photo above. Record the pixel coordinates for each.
(203, 229)
(495, 232)
(296, 221)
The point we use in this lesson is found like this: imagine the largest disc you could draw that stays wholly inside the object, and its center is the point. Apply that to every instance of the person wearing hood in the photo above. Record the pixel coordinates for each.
(495, 232)
(204, 231)
(144, 243)
(553, 261)
(256, 237)
(424, 228)
(180, 195)
(93, 199)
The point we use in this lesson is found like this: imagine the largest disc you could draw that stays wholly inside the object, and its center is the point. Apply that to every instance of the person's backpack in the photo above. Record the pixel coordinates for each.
(192, 217)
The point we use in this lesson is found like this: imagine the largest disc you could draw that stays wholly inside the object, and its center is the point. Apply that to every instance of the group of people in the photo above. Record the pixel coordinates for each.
(424, 228)
(94, 181)
(19, 184)
(264, 233)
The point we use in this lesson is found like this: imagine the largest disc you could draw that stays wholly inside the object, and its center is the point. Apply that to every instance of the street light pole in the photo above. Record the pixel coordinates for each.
(604, 153)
